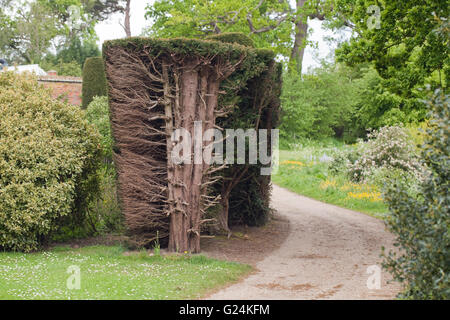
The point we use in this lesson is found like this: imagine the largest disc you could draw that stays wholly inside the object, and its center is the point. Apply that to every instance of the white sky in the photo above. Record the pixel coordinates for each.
(112, 29)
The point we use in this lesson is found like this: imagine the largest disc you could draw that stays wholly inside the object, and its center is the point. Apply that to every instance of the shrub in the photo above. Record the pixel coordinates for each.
(97, 114)
(344, 157)
(389, 148)
(94, 80)
(48, 162)
(105, 211)
(418, 132)
(422, 223)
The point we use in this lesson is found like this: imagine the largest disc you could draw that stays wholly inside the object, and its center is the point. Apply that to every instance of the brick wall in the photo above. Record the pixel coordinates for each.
(65, 88)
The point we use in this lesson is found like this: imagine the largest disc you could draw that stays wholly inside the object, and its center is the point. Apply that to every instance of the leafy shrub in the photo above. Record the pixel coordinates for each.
(344, 157)
(389, 148)
(94, 80)
(97, 114)
(422, 223)
(49, 155)
(418, 132)
(105, 211)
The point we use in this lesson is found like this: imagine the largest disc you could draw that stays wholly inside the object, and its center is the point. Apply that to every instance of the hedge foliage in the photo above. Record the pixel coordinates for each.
(49, 156)
(94, 80)
(97, 114)
(255, 82)
(249, 199)
(422, 223)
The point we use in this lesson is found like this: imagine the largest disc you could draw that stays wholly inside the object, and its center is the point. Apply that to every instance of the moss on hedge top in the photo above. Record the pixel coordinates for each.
(192, 48)
(252, 62)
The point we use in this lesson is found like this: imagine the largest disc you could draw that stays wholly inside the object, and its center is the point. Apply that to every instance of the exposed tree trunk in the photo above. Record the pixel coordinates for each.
(198, 96)
(225, 209)
(301, 32)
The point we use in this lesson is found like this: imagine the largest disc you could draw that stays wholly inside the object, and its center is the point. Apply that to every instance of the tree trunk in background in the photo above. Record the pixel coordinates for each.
(127, 26)
(301, 33)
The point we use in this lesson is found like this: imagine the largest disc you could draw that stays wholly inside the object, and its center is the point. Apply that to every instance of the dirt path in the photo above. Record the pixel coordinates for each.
(325, 255)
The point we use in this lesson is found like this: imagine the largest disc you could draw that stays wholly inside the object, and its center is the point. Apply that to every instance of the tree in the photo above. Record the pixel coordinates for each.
(77, 50)
(196, 18)
(401, 41)
(270, 23)
(28, 31)
(160, 90)
(126, 25)
(320, 104)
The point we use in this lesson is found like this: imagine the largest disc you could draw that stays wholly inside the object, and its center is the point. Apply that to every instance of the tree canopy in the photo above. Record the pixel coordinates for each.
(29, 31)
(407, 43)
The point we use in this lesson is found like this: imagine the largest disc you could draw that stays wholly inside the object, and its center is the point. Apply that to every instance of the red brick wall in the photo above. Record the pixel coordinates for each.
(65, 88)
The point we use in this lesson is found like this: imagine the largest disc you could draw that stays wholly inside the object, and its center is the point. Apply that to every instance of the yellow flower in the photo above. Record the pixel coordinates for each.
(373, 196)
(327, 183)
(292, 162)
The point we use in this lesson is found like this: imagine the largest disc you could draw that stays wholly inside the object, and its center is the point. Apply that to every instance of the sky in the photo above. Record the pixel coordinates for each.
(112, 29)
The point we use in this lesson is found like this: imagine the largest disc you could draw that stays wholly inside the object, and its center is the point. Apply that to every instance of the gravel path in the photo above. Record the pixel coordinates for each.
(325, 256)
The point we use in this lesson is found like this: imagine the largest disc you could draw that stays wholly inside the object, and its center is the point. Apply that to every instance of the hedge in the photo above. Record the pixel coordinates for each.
(158, 85)
(94, 80)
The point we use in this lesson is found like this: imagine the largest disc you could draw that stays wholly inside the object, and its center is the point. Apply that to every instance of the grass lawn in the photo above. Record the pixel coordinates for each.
(106, 273)
(303, 173)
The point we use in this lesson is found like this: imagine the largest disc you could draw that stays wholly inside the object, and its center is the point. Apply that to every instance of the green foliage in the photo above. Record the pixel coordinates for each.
(29, 31)
(388, 148)
(418, 133)
(422, 223)
(49, 155)
(319, 105)
(94, 80)
(232, 37)
(196, 18)
(408, 50)
(376, 106)
(77, 50)
(63, 68)
(104, 212)
(97, 114)
(342, 102)
(105, 215)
